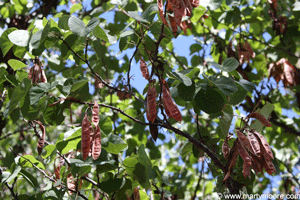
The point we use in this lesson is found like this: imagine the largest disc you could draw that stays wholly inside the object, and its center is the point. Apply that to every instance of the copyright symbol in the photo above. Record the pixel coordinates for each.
(220, 195)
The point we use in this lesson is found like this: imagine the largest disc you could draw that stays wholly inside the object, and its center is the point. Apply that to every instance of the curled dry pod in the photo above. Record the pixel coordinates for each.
(95, 112)
(96, 143)
(268, 165)
(151, 103)
(144, 69)
(41, 141)
(231, 160)
(225, 148)
(254, 144)
(244, 141)
(256, 164)
(71, 183)
(261, 118)
(85, 137)
(153, 131)
(166, 109)
(57, 171)
(264, 143)
(169, 103)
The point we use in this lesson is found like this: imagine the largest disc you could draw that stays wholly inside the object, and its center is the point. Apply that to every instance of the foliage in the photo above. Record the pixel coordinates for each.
(72, 126)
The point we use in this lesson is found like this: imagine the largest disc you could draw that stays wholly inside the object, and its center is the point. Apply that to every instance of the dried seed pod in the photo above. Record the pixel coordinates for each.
(96, 143)
(136, 194)
(231, 159)
(261, 118)
(95, 112)
(254, 142)
(57, 171)
(246, 169)
(256, 164)
(169, 103)
(43, 77)
(85, 137)
(41, 141)
(264, 143)
(243, 153)
(244, 141)
(161, 12)
(144, 69)
(225, 148)
(153, 131)
(71, 183)
(269, 167)
(166, 109)
(151, 103)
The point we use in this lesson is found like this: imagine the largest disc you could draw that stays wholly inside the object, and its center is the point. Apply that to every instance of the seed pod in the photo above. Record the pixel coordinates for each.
(243, 153)
(261, 118)
(57, 171)
(151, 104)
(246, 169)
(153, 131)
(244, 141)
(269, 167)
(161, 12)
(144, 69)
(41, 141)
(169, 103)
(166, 109)
(254, 144)
(136, 194)
(225, 148)
(231, 159)
(43, 77)
(256, 164)
(71, 183)
(96, 143)
(85, 137)
(264, 143)
(95, 112)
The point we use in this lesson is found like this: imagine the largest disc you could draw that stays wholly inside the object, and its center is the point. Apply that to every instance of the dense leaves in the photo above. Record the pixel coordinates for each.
(177, 99)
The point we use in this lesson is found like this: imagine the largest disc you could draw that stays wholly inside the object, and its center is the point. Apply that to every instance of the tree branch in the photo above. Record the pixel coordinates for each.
(11, 189)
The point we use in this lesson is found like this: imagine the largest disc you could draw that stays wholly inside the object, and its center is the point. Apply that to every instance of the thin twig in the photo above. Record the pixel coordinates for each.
(11, 189)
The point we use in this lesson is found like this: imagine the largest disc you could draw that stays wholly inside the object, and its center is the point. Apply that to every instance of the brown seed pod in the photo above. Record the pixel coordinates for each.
(169, 103)
(57, 171)
(151, 103)
(261, 118)
(71, 183)
(96, 143)
(254, 143)
(244, 141)
(43, 77)
(256, 164)
(144, 69)
(161, 12)
(153, 131)
(268, 165)
(85, 137)
(246, 169)
(41, 141)
(95, 113)
(264, 143)
(225, 148)
(136, 194)
(243, 153)
(232, 158)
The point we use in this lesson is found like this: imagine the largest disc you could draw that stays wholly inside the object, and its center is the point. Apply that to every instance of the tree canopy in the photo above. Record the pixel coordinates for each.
(220, 119)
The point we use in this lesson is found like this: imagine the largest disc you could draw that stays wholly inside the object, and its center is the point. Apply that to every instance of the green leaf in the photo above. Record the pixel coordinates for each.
(186, 92)
(25, 161)
(143, 158)
(37, 92)
(113, 144)
(265, 111)
(75, 7)
(296, 6)
(106, 166)
(112, 184)
(93, 23)
(225, 84)
(6, 44)
(100, 33)
(195, 48)
(45, 31)
(49, 150)
(99, 48)
(69, 140)
(19, 37)
(63, 22)
(135, 15)
(16, 64)
(76, 25)
(230, 64)
(247, 85)
(148, 14)
(13, 175)
(53, 115)
(238, 96)
(18, 94)
(210, 101)
(3, 74)
(182, 78)
(29, 178)
(225, 120)
(79, 84)
(35, 40)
